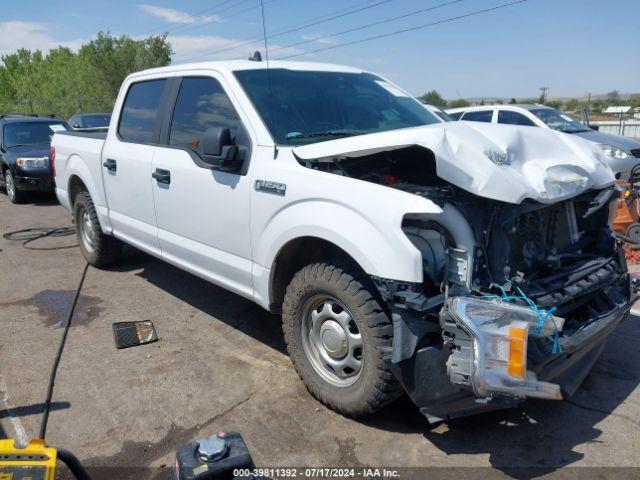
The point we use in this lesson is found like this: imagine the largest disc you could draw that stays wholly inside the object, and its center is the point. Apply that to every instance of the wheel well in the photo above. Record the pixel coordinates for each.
(294, 256)
(75, 187)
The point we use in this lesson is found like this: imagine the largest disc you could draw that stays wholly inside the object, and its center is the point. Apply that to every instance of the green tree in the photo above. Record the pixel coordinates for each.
(513, 101)
(613, 97)
(461, 102)
(433, 98)
(64, 82)
(572, 105)
(555, 104)
(634, 100)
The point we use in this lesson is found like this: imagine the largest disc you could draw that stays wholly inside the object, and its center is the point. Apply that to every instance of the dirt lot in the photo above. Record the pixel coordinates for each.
(220, 364)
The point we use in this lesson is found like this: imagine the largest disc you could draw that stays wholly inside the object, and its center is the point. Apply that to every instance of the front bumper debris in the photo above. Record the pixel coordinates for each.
(449, 379)
(488, 341)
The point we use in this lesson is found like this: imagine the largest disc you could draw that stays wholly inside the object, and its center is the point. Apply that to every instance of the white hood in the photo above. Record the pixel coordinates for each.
(503, 162)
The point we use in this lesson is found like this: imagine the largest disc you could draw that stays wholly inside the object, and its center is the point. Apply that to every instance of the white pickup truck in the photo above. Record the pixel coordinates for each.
(470, 265)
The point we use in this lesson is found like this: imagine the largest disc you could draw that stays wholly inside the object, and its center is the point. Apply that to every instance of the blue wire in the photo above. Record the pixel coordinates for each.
(541, 313)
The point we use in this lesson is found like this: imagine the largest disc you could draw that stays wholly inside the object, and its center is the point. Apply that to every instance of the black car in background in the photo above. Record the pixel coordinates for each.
(90, 121)
(25, 166)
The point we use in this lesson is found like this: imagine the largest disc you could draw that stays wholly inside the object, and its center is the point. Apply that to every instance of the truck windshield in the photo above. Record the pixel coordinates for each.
(30, 133)
(308, 106)
(559, 121)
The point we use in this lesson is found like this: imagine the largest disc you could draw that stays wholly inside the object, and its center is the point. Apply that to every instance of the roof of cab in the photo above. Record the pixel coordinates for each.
(237, 65)
(524, 106)
(9, 118)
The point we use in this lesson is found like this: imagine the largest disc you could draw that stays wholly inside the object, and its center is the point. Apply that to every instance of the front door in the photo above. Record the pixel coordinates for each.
(203, 214)
(126, 168)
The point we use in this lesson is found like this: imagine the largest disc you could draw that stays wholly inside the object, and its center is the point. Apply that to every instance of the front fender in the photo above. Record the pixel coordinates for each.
(378, 245)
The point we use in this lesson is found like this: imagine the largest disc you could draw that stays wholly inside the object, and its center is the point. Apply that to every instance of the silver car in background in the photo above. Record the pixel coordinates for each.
(623, 152)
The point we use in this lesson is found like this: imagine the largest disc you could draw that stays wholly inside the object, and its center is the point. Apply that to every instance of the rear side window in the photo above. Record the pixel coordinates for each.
(514, 118)
(140, 111)
(480, 116)
(202, 103)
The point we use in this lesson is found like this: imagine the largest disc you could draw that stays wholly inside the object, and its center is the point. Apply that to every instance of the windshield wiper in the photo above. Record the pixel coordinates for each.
(330, 133)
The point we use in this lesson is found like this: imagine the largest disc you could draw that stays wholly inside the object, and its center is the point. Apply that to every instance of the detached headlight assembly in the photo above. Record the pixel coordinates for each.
(32, 162)
(500, 333)
(614, 152)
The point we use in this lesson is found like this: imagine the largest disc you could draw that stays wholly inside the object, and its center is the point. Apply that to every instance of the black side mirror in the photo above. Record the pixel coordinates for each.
(219, 151)
(76, 125)
(594, 127)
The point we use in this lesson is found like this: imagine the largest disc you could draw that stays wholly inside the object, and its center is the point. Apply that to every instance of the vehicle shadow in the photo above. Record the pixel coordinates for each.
(536, 439)
(232, 309)
(541, 436)
(34, 198)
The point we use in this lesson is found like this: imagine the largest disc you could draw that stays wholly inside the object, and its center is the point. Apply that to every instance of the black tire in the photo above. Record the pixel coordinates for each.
(375, 386)
(101, 250)
(16, 196)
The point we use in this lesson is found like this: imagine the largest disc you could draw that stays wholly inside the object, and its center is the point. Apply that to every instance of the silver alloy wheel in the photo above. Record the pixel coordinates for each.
(331, 341)
(10, 186)
(87, 233)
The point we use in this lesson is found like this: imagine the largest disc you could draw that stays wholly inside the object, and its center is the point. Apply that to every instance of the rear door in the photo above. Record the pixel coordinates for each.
(126, 170)
(478, 116)
(203, 214)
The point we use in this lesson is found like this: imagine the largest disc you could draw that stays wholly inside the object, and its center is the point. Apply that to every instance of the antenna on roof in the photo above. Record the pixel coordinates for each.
(271, 96)
(256, 57)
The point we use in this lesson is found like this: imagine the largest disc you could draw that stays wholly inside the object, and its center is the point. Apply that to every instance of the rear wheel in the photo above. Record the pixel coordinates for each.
(15, 195)
(338, 338)
(97, 248)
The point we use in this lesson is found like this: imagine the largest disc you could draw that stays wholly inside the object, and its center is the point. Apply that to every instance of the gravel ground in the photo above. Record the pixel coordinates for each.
(220, 365)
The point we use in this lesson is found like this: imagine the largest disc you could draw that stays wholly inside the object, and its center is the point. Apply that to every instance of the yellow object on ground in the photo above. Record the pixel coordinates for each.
(36, 461)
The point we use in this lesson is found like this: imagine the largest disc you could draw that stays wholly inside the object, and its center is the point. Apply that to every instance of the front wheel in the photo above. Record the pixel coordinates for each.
(15, 195)
(338, 338)
(97, 248)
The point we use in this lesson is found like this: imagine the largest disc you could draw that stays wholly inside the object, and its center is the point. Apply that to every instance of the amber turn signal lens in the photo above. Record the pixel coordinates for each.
(517, 352)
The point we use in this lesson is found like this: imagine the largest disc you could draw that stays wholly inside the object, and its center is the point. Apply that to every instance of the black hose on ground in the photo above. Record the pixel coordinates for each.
(73, 464)
(29, 235)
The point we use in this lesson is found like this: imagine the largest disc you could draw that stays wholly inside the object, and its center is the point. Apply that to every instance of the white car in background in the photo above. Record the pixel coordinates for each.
(440, 114)
(623, 152)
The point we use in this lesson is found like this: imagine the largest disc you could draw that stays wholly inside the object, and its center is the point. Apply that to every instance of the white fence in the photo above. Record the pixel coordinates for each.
(626, 128)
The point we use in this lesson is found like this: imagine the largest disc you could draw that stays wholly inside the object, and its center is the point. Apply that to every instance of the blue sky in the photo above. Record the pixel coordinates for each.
(571, 46)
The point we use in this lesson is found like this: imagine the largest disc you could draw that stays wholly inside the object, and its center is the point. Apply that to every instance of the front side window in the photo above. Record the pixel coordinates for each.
(478, 116)
(30, 133)
(301, 107)
(140, 111)
(514, 118)
(202, 103)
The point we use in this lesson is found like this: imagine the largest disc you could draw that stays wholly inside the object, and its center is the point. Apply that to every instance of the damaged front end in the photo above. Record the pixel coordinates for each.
(524, 304)
(522, 278)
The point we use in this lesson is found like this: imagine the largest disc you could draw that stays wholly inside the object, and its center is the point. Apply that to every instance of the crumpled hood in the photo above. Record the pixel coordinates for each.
(503, 162)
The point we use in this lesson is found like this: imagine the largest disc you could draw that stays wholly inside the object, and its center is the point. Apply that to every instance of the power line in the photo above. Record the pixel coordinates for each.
(404, 30)
(209, 22)
(291, 30)
(362, 27)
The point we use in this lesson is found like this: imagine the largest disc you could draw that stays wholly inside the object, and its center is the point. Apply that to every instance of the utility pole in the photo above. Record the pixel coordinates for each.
(543, 95)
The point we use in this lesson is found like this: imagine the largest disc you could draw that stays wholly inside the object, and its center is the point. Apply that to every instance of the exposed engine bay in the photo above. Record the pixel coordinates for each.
(558, 262)
(531, 244)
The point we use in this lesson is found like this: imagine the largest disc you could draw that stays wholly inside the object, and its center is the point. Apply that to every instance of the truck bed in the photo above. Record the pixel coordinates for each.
(77, 152)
